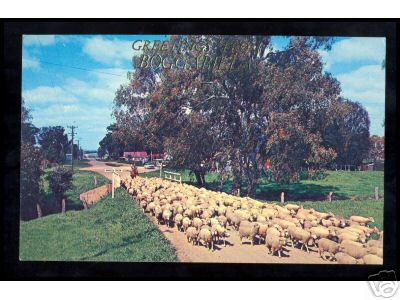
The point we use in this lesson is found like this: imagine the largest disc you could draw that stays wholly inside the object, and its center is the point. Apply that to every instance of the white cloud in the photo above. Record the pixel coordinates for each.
(367, 86)
(356, 49)
(109, 51)
(29, 62)
(48, 95)
(38, 40)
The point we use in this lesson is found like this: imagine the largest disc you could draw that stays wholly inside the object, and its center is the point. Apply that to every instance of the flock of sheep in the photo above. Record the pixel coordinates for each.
(206, 217)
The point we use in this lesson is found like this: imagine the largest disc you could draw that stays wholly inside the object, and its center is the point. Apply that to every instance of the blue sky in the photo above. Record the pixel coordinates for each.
(72, 79)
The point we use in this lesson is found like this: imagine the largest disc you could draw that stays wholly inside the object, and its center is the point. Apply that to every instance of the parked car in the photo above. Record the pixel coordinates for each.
(149, 166)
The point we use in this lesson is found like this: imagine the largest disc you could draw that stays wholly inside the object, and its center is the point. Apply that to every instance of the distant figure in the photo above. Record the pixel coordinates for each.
(134, 171)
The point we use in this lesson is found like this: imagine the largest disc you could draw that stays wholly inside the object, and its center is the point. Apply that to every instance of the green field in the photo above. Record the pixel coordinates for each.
(83, 181)
(112, 230)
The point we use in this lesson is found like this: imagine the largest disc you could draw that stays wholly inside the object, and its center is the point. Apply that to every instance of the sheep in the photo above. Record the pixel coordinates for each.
(220, 233)
(158, 213)
(188, 213)
(275, 243)
(354, 250)
(371, 259)
(283, 223)
(178, 221)
(378, 251)
(357, 230)
(167, 215)
(191, 235)
(143, 204)
(235, 222)
(326, 245)
(352, 237)
(292, 207)
(249, 231)
(361, 220)
(321, 232)
(275, 231)
(364, 229)
(375, 243)
(300, 235)
(344, 258)
(197, 223)
(206, 237)
(186, 222)
(350, 242)
(326, 223)
(222, 220)
(262, 232)
(151, 206)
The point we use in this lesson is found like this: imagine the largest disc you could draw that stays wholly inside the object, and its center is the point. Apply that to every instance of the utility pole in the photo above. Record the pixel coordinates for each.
(73, 127)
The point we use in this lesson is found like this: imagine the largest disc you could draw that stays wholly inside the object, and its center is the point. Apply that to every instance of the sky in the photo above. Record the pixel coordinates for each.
(72, 79)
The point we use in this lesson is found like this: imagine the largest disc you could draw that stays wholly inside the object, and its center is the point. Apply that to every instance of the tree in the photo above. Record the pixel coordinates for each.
(377, 149)
(110, 144)
(31, 172)
(60, 181)
(54, 143)
(348, 132)
(230, 115)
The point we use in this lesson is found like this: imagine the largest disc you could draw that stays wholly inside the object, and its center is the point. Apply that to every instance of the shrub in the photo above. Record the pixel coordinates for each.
(60, 180)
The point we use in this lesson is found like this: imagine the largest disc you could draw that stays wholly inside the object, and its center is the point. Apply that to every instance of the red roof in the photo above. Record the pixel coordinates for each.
(136, 154)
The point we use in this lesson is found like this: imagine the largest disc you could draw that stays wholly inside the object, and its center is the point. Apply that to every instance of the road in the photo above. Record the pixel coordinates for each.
(100, 166)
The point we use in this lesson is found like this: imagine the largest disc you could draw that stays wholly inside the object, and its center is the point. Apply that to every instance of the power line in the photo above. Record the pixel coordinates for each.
(74, 67)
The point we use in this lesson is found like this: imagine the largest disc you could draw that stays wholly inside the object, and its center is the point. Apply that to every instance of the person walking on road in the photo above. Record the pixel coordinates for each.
(134, 171)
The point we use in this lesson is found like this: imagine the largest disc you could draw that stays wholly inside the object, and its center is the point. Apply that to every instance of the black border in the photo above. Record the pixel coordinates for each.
(12, 268)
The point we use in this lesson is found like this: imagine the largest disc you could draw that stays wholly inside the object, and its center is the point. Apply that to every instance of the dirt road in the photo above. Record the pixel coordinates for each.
(234, 252)
(100, 166)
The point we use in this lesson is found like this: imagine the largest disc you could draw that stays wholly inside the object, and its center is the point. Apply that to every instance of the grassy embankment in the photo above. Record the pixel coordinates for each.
(353, 192)
(113, 230)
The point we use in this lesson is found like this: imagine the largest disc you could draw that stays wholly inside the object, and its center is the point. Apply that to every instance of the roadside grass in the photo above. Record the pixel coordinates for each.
(83, 181)
(112, 230)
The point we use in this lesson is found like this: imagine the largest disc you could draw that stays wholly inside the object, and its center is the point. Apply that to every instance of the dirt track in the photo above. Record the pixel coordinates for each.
(234, 252)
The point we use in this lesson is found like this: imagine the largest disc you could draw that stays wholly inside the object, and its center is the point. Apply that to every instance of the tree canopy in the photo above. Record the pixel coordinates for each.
(265, 104)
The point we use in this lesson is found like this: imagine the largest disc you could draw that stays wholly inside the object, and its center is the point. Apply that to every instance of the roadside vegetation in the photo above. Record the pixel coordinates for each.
(82, 181)
(112, 230)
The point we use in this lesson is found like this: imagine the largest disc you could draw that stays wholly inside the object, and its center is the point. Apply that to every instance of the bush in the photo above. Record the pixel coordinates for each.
(60, 180)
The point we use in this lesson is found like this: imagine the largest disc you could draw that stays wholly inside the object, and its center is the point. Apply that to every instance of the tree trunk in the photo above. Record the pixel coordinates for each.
(198, 178)
(39, 210)
(63, 205)
(222, 181)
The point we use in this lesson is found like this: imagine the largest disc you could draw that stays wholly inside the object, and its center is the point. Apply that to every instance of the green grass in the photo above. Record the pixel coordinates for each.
(113, 230)
(83, 181)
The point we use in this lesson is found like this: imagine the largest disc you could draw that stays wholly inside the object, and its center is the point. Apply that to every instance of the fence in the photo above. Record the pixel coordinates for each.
(93, 196)
(173, 176)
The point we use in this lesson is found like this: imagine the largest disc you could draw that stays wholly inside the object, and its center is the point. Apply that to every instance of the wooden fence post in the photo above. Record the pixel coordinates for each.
(39, 210)
(63, 205)
(282, 197)
(376, 193)
(330, 196)
(95, 181)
